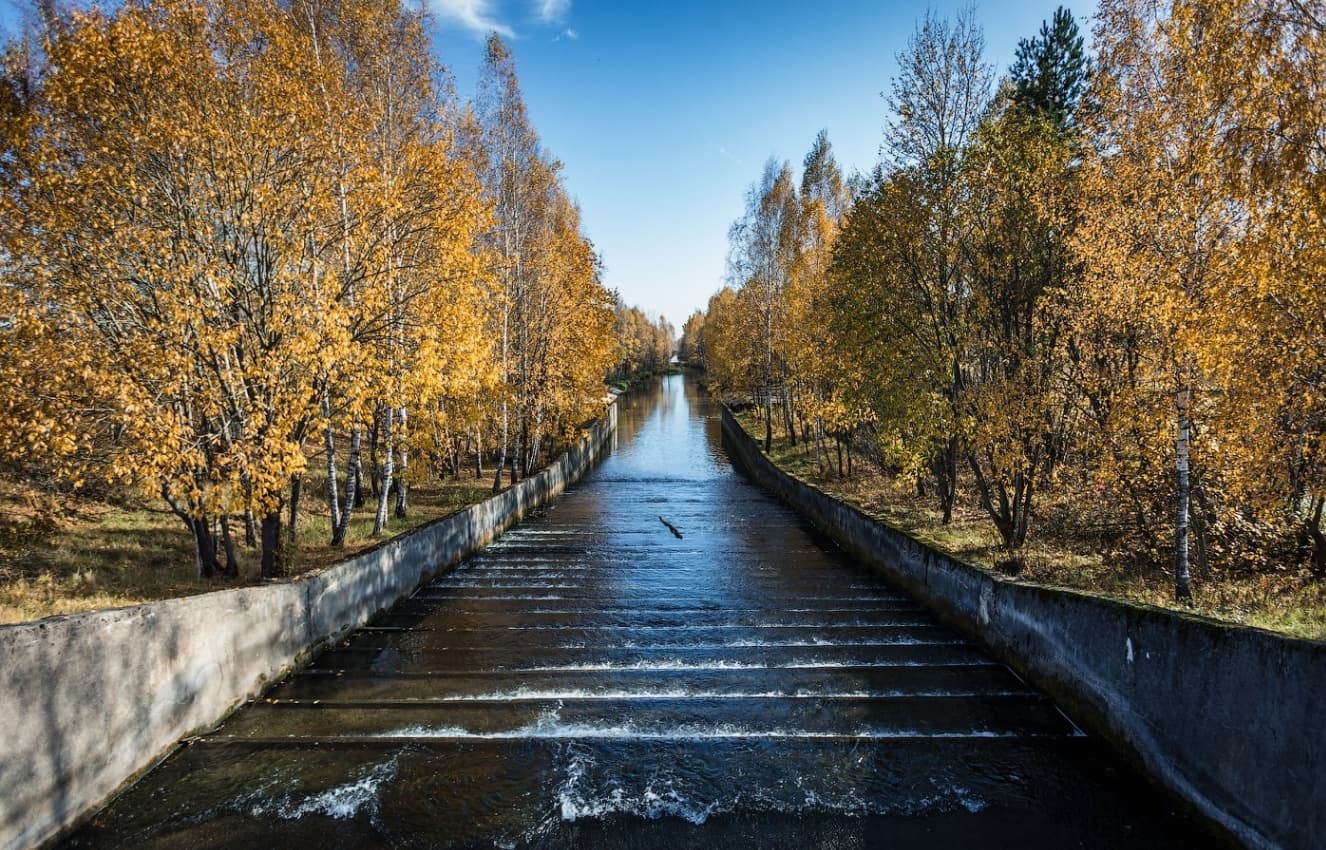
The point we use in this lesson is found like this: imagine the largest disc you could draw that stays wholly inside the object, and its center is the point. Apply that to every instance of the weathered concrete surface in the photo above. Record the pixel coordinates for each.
(1228, 717)
(88, 701)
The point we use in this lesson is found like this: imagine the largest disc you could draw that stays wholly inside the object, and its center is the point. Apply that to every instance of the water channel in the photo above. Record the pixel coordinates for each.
(594, 679)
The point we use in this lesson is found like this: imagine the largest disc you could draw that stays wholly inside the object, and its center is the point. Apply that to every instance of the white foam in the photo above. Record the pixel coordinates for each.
(535, 694)
(882, 598)
(751, 643)
(513, 565)
(628, 731)
(582, 795)
(549, 725)
(672, 664)
(493, 585)
(858, 610)
(340, 802)
(852, 625)
(658, 799)
(504, 598)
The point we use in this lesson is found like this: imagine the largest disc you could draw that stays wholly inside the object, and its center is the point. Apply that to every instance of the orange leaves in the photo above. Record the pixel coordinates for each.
(202, 208)
(642, 344)
(733, 352)
(1187, 260)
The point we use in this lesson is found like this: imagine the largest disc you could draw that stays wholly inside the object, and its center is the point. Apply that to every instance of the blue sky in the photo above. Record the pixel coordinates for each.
(664, 112)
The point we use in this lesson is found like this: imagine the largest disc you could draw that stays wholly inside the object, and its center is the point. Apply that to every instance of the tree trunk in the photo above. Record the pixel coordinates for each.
(1318, 539)
(501, 456)
(1199, 530)
(353, 491)
(232, 563)
(1009, 513)
(768, 419)
(945, 467)
(1182, 583)
(819, 443)
(388, 460)
(374, 435)
(357, 468)
(506, 377)
(273, 555)
(402, 488)
(534, 450)
(517, 455)
(250, 523)
(204, 548)
(1022, 511)
(333, 496)
(296, 489)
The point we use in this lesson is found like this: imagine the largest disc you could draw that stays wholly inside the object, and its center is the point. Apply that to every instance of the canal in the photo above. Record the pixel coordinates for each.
(665, 657)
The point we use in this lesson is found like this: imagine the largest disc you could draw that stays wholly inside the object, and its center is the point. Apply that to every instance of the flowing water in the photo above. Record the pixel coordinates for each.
(597, 679)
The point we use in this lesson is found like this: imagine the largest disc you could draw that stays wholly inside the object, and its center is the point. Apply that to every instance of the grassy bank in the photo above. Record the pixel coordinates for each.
(65, 554)
(1059, 553)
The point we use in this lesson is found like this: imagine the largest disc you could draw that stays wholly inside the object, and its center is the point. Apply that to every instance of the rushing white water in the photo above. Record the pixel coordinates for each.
(340, 802)
(587, 792)
(809, 664)
(492, 585)
(516, 598)
(678, 612)
(853, 624)
(549, 725)
(541, 695)
(753, 643)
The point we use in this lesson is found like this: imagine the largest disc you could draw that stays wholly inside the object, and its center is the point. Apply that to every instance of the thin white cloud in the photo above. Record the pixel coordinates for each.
(474, 15)
(552, 11)
(728, 155)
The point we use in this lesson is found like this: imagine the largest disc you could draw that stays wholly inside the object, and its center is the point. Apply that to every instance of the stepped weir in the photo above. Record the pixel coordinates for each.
(664, 657)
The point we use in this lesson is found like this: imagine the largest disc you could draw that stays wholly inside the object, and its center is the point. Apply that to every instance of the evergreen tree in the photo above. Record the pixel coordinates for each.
(1050, 71)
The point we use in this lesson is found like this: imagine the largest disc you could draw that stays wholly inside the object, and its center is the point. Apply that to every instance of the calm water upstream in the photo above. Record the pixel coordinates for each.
(593, 680)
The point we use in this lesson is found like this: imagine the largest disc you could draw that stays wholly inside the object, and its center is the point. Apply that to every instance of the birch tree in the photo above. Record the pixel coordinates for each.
(1156, 240)
(762, 255)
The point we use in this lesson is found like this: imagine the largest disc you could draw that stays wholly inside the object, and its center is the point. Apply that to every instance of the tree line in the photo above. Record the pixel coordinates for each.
(1095, 277)
(646, 344)
(238, 234)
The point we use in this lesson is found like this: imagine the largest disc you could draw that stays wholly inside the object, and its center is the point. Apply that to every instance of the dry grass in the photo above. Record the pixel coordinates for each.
(1291, 601)
(66, 555)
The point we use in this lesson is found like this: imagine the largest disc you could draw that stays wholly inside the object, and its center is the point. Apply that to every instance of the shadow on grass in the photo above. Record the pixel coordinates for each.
(88, 555)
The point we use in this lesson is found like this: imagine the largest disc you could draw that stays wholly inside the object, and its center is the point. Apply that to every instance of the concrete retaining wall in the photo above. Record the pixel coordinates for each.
(88, 701)
(1230, 718)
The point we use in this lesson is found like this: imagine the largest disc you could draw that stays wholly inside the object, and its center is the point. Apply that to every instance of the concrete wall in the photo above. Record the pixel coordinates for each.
(88, 701)
(1231, 718)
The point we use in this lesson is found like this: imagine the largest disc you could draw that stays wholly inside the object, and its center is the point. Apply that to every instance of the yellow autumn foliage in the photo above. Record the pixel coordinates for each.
(236, 231)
